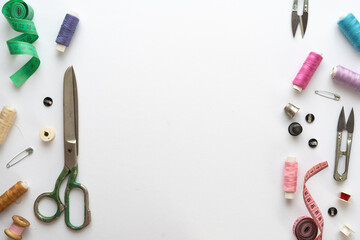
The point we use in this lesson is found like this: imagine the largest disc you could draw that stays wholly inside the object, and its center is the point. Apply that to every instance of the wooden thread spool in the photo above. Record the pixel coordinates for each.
(7, 117)
(11, 195)
(17, 227)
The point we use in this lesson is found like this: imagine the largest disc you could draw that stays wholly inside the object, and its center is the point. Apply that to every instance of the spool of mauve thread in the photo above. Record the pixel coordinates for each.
(346, 76)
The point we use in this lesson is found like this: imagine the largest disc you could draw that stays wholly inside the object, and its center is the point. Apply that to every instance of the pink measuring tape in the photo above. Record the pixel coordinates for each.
(305, 230)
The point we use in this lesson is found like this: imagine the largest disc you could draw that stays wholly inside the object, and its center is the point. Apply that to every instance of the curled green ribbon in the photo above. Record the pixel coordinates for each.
(19, 16)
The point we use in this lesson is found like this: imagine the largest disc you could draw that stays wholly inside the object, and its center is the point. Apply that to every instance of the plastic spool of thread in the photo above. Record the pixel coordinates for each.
(345, 197)
(11, 195)
(17, 227)
(307, 70)
(305, 228)
(67, 31)
(7, 117)
(346, 230)
(346, 77)
(290, 177)
(350, 26)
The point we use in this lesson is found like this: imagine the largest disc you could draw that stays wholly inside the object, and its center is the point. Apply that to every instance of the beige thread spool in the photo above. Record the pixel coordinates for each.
(11, 195)
(47, 134)
(17, 227)
(7, 117)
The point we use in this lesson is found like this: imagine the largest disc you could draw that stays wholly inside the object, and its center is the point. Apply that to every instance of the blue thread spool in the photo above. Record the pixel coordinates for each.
(350, 26)
(67, 31)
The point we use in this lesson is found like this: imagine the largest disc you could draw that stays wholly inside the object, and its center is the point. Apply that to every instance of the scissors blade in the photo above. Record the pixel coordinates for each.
(70, 109)
(350, 122)
(294, 17)
(305, 16)
(341, 123)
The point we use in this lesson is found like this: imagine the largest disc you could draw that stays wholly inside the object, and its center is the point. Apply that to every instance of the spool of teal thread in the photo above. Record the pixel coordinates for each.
(350, 26)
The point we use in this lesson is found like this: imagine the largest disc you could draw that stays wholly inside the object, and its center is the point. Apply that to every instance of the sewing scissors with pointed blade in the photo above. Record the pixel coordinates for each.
(71, 148)
(349, 127)
(296, 19)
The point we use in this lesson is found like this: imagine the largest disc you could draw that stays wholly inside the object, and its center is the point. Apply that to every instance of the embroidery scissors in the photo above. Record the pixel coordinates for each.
(349, 127)
(296, 19)
(71, 148)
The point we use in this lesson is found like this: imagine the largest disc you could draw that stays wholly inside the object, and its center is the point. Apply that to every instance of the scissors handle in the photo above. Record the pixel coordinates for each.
(71, 185)
(54, 195)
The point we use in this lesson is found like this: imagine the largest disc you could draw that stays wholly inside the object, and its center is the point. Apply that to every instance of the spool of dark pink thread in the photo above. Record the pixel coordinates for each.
(346, 77)
(307, 70)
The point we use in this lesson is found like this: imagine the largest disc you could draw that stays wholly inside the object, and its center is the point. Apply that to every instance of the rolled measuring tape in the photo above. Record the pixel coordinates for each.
(303, 229)
(19, 16)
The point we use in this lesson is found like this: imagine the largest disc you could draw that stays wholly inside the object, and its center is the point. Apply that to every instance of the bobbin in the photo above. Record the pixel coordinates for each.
(17, 227)
(345, 197)
(289, 192)
(346, 230)
(60, 47)
(47, 134)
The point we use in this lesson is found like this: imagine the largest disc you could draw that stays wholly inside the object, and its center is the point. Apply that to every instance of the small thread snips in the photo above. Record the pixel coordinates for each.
(349, 127)
(296, 19)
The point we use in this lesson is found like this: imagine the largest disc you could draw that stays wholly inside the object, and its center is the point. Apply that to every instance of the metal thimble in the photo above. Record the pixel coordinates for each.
(291, 110)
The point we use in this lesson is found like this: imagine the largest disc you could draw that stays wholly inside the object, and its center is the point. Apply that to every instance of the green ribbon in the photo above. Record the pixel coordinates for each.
(19, 16)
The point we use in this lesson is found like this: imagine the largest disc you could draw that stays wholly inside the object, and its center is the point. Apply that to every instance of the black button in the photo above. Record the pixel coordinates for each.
(295, 128)
(332, 211)
(48, 101)
(310, 118)
(313, 143)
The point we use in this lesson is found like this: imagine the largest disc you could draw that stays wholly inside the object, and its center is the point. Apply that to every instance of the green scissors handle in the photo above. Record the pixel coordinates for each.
(54, 195)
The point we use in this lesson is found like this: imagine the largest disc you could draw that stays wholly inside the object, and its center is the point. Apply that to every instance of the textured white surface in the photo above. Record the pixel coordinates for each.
(181, 118)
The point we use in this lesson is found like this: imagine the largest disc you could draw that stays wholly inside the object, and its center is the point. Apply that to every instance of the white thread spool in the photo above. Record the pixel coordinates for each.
(47, 134)
(346, 230)
(7, 117)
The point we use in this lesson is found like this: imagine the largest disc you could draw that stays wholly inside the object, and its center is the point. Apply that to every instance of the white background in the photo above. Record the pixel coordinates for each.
(182, 129)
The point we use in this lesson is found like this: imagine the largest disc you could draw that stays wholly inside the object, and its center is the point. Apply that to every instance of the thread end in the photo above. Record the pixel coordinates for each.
(297, 88)
(333, 71)
(75, 14)
(291, 159)
(24, 184)
(289, 195)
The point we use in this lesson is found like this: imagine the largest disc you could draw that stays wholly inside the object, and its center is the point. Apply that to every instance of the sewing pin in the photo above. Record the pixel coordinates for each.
(329, 95)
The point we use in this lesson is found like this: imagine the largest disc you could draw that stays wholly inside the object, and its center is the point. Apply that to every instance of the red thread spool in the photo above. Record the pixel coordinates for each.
(307, 70)
(344, 197)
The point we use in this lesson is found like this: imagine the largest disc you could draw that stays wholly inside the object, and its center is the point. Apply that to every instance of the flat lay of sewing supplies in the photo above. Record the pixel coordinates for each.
(349, 127)
(71, 148)
(301, 20)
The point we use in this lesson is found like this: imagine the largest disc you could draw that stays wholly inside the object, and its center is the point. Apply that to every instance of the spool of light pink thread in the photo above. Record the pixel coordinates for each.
(346, 77)
(17, 227)
(290, 177)
(307, 70)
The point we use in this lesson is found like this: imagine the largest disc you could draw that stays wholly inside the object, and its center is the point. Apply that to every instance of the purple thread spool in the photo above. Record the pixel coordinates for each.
(346, 76)
(67, 31)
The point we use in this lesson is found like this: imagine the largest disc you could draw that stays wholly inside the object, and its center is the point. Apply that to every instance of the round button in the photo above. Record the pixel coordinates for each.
(313, 143)
(48, 101)
(47, 134)
(310, 118)
(295, 129)
(332, 211)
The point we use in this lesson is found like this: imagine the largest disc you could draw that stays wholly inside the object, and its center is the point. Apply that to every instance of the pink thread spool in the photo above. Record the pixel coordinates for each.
(307, 70)
(346, 77)
(17, 227)
(290, 177)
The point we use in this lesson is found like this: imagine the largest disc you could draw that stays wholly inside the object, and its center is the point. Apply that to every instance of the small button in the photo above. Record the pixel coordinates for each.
(295, 129)
(48, 101)
(332, 211)
(310, 118)
(313, 143)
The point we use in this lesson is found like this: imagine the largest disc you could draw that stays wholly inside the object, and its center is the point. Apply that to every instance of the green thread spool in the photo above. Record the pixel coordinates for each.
(19, 16)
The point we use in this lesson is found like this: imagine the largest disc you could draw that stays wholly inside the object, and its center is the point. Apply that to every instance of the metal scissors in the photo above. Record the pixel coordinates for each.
(71, 148)
(296, 19)
(349, 127)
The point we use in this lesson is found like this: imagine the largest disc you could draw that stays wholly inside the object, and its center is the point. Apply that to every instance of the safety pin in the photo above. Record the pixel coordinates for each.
(329, 95)
(27, 152)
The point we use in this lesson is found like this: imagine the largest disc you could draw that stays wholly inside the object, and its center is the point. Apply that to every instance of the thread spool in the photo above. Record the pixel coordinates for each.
(7, 117)
(346, 77)
(67, 31)
(346, 230)
(11, 195)
(350, 26)
(305, 228)
(290, 177)
(345, 197)
(47, 134)
(307, 70)
(17, 227)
